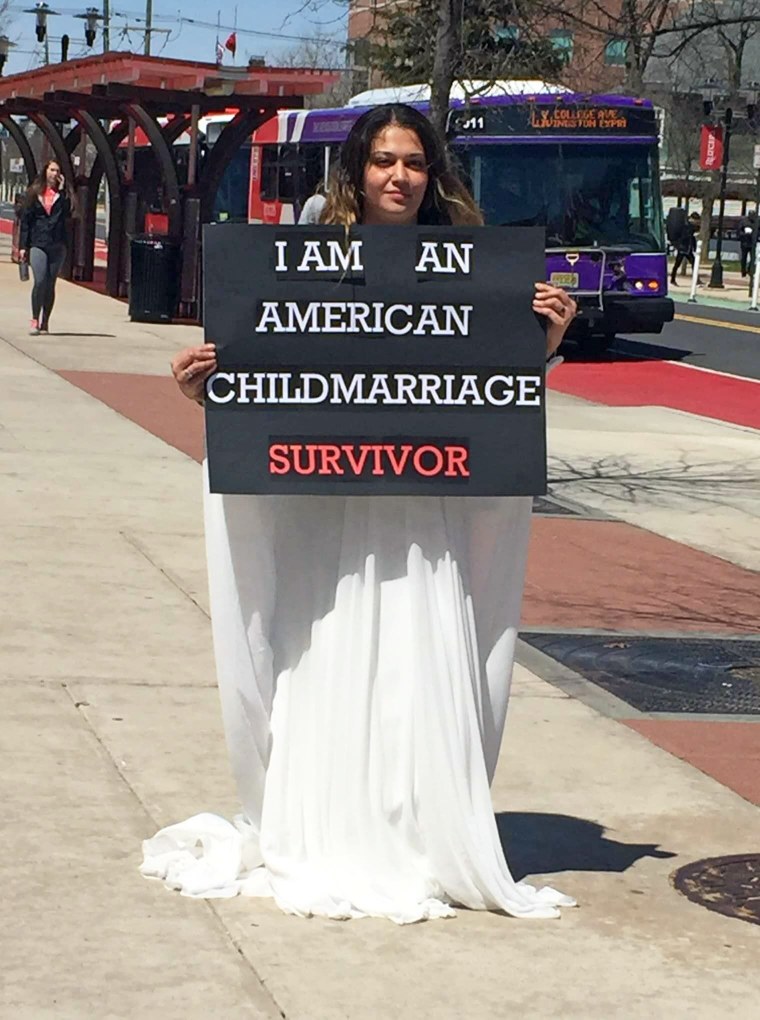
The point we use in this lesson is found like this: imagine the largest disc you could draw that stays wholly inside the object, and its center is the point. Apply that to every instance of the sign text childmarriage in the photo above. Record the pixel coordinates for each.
(380, 360)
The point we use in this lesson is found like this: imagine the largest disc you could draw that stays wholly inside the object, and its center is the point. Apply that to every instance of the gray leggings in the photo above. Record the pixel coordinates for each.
(46, 264)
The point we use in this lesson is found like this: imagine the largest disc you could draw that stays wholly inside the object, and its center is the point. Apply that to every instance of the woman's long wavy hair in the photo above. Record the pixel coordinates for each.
(446, 200)
(38, 185)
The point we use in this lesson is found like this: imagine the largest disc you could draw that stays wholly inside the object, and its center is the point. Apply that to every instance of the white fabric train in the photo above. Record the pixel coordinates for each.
(364, 651)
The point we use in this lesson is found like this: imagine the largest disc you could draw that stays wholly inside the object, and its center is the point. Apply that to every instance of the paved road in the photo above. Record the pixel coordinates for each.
(720, 339)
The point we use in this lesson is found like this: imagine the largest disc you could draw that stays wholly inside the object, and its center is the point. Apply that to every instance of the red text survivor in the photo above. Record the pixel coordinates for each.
(367, 459)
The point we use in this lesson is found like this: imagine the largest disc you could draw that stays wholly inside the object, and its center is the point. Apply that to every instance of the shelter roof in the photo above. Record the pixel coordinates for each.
(161, 83)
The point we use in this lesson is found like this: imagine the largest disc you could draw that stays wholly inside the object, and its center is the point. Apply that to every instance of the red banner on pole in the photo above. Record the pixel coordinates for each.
(711, 147)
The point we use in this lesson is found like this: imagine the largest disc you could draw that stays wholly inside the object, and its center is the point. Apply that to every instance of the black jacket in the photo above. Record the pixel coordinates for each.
(747, 231)
(686, 243)
(40, 230)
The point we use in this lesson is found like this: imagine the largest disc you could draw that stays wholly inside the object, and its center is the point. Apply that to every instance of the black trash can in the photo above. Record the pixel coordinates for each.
(154, 278)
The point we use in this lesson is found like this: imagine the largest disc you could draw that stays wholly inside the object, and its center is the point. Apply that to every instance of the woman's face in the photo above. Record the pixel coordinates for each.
(395, 177)
(53, 174)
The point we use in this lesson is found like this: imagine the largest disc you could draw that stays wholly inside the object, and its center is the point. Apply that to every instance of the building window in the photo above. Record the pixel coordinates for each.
(616, 52)
(562, 41)
(507, 35)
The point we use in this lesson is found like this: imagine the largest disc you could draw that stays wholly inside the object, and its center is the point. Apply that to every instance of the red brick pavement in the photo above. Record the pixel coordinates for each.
(581, 574)
(151, 401)
(727, 751)
(614, 576)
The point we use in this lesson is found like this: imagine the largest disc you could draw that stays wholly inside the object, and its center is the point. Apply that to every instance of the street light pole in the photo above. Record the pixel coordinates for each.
(716, 275)
(148, 25)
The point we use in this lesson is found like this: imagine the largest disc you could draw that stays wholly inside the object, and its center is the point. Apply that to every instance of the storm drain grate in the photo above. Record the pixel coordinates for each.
(663, 674)
(728, 885)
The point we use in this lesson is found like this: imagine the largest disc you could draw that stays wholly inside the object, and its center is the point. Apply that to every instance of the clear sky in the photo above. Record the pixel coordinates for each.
(263, 28)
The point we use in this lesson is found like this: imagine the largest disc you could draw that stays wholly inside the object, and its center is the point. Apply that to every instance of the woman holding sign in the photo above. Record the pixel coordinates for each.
(364, 649)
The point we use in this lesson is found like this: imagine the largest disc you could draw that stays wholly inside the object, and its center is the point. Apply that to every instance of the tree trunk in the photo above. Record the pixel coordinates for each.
(448, 41)
(633, 84)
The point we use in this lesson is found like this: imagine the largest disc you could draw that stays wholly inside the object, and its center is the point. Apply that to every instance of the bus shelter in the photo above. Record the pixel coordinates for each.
(111, 100)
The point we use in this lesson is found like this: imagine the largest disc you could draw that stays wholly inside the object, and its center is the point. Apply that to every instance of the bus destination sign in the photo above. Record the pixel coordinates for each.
(555, 119)
(595, 118)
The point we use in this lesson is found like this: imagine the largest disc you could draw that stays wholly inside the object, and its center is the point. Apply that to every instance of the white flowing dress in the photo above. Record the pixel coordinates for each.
(364, 650)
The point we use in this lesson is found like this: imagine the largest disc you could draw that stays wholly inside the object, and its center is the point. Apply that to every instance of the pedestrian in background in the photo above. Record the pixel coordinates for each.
(312, 207)
(686, 245)
(42, 239)
(747, 226)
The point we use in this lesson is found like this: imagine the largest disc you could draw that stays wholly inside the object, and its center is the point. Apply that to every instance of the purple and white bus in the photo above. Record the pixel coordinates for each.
(583, 167)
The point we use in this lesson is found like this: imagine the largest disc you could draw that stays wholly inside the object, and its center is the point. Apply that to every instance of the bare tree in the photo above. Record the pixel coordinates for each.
(681, 134)
(325, 53)
(448, 44)
(735, 39)
(726, 57)
(4, 5)
(655, 28)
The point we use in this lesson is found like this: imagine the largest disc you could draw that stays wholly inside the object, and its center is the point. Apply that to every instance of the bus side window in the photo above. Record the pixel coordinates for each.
(268, 189)
(287, 177)
(312, 159)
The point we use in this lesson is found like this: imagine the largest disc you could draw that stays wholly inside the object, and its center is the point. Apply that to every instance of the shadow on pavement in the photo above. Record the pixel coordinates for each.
(540, 844)
(625, 350)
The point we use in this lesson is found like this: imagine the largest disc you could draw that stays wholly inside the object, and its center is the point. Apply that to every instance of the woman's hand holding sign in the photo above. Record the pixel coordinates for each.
(559, 308)
(192, 367)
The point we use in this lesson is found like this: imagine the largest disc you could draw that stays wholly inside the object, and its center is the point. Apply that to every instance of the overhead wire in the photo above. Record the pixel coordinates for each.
(180, 19)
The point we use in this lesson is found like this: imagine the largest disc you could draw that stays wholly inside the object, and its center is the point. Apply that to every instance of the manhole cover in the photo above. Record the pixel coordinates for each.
(664, 674)
(727, 885)
(547, 506)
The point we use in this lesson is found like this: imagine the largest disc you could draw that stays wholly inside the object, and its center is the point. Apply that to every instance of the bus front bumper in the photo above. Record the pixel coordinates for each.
(625, 313)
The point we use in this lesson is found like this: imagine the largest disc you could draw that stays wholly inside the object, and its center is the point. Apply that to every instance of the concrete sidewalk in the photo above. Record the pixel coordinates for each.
(735, 292)
(111, 729)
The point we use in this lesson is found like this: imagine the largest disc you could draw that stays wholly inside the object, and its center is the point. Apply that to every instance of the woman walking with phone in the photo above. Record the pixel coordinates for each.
(42, 241)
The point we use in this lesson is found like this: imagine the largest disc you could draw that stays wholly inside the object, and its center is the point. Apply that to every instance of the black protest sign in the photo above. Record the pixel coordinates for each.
(380, 360)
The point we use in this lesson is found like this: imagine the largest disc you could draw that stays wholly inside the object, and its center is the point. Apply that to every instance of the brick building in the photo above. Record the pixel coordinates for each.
(594, 59)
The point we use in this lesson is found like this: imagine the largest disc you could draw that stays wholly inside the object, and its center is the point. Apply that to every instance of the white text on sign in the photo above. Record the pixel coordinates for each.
(334, 256)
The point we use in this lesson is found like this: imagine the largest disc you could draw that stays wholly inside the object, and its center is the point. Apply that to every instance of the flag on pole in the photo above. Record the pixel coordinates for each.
(711, 147)
(219, 52)
(231, 43)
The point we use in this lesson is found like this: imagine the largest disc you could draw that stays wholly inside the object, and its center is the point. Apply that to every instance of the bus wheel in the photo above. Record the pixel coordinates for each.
(595, 344)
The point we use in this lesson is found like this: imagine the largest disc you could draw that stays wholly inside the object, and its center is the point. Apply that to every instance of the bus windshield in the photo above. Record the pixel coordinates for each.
(585, 195)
